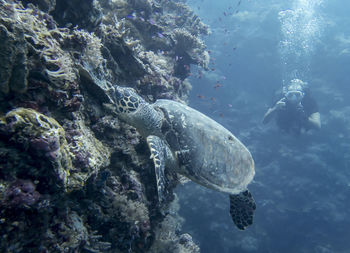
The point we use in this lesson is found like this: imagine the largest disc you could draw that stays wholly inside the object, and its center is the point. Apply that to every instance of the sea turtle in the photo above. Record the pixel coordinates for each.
(186, 141)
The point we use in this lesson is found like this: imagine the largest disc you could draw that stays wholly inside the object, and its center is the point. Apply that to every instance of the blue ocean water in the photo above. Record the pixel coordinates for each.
(302, 183)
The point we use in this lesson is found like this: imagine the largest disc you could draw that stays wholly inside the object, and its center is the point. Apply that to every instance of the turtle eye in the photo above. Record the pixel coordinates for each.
(118, 94)
(126, 93)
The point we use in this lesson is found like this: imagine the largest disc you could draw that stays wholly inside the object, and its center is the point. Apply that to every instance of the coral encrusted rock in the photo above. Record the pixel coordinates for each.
(73, 177)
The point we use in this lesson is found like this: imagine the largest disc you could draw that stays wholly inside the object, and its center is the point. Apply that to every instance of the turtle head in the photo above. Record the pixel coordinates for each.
(127, 100)
(135, 111)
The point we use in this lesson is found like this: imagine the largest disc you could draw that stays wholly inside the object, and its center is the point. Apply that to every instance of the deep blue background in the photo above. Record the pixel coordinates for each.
(302, 184)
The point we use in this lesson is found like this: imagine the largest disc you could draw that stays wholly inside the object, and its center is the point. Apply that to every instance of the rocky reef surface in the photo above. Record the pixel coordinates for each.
(73, 177)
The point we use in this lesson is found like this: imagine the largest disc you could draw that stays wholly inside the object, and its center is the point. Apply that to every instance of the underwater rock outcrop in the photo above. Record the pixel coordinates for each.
(73, 178)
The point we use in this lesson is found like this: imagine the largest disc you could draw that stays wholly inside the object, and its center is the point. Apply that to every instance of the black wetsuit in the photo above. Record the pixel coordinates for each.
(292, 119)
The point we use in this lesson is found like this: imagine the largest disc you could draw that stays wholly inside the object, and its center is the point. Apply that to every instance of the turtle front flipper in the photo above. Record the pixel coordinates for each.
(242, 207)
(160, 154)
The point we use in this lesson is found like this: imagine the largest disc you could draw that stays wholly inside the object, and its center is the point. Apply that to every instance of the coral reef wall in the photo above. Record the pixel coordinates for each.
(73, 177)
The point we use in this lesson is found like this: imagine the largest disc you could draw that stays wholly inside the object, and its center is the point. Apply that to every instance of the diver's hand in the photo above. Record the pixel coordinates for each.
(280, 104)
(272, 111)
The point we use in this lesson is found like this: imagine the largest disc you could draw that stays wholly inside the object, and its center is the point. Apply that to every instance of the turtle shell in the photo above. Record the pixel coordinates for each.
(207, 152)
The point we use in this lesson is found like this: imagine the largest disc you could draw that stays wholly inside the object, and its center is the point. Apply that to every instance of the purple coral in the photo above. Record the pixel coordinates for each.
(21, 193)
(81, 159)
(40, 144)
(133, 186)
(46, 146)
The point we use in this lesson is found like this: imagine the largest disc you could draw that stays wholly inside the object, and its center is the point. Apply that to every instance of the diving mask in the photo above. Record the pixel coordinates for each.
(294, 93)
(294, 96)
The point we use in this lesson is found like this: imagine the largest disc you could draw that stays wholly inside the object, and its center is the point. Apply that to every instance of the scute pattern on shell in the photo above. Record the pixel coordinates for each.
(215, 158)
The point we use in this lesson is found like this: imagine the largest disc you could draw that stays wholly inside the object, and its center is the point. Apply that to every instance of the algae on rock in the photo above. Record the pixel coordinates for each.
(13, 60)
(33, 130)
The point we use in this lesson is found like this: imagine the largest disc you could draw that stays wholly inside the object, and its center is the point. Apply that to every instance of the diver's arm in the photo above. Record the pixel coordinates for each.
(271, 111)
(315, 120)
(268, 115)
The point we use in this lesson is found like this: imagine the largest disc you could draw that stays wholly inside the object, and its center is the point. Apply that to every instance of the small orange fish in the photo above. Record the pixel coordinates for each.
(201, 96)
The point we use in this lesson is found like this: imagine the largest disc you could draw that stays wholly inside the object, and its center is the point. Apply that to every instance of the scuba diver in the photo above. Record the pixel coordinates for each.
(296, 112)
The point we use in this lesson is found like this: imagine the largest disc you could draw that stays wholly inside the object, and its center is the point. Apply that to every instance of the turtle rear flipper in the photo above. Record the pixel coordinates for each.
(160, 154)
(242, 207)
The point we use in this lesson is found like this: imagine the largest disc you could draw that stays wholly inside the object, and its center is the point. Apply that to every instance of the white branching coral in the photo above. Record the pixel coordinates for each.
(59, 67)
(46, 42)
